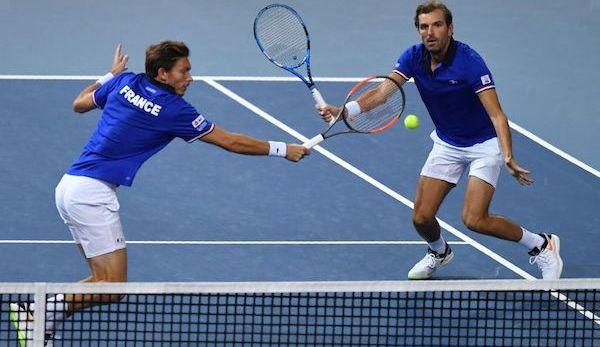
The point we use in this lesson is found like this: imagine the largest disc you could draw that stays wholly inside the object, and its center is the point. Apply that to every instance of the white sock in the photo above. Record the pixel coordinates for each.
(55, 311)
(531, 240)
(438, 246)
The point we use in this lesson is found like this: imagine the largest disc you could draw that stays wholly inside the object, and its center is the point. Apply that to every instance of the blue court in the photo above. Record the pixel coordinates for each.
(198, 213)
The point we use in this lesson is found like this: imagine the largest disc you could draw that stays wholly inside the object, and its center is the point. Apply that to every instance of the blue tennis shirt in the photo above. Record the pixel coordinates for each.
(140, 117)
(450, 91)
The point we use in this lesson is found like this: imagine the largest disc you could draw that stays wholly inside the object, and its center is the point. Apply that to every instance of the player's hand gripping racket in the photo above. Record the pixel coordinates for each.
(282, 37)
(381, 101)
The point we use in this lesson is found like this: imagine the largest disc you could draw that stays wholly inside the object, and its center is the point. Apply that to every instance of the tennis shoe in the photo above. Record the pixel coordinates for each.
(432, 261)
(21, 316)
(22, 320)
(548, 257)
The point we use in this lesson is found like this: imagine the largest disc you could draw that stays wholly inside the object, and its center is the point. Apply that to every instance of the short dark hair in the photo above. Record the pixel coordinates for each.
(164, 54)
(430, 6)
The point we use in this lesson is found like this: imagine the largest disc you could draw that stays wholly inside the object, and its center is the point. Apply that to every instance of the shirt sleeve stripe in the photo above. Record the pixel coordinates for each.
(401, 74)
(94, 98)
(212, 127)
(484, 88)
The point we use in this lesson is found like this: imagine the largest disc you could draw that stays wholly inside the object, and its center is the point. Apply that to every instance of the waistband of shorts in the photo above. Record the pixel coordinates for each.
(108, 184)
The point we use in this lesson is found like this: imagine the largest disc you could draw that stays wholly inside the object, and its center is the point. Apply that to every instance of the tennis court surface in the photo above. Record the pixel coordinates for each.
(260, 224)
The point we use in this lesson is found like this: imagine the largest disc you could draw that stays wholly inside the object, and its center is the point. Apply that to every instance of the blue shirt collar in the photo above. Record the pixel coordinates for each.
(448, 58)
(161, 85)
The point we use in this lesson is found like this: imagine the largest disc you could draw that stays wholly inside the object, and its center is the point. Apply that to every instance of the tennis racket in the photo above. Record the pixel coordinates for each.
(282, 37)
(381, 101)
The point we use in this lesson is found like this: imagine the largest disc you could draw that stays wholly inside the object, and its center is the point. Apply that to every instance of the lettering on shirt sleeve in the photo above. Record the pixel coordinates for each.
(486, 83)
(485, 79)
(197, 122)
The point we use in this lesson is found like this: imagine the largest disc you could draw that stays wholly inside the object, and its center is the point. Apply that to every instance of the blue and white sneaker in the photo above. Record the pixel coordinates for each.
(432, 261)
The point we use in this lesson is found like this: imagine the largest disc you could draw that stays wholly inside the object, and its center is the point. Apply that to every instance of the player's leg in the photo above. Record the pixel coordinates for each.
(475, 216)
(87, 207)
(428, 198)
(484, 171)
(90, 208)
(430, 194)
(439, 175)
(110, 267)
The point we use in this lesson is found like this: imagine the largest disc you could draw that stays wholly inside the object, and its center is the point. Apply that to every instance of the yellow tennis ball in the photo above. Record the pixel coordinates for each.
(411, 121)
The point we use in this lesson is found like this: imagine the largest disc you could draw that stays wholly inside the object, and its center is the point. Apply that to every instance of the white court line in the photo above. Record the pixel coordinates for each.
(242, 243)
(574, 305)
(554, 150)
(197, 78)
(513, 125)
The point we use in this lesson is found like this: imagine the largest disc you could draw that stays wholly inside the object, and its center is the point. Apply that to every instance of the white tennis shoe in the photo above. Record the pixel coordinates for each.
(22, 320)
(548, 257)
(21, 316)
(432, 261)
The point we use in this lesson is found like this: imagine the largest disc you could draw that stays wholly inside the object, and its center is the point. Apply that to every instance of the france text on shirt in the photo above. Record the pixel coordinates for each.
(136, 100)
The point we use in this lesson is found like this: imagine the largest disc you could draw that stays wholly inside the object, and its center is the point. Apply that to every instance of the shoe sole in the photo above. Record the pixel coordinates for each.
(19, 318)
(444, 262)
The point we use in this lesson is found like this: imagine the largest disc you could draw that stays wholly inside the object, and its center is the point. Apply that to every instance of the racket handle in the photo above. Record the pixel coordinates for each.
(320, 102)
(318, 97)
(313, 142)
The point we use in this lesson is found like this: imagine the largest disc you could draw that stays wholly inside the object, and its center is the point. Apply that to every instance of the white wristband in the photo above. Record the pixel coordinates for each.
(109, 76)
(352, 108)
(277, 149)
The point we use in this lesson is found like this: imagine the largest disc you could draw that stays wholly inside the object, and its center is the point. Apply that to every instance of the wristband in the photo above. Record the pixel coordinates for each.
(105, 78)
(352, 108)
(277, 149)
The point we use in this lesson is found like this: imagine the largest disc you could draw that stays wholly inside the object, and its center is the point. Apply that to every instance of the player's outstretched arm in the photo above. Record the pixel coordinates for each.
(244, 144)
(490, 102)
(85, 100)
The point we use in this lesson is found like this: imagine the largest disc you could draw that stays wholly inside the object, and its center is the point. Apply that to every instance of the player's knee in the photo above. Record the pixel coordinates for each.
(420, 219)
(473, 222)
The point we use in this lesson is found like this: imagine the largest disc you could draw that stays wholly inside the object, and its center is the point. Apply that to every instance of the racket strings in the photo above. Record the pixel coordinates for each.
(282, 36)
(381, 116)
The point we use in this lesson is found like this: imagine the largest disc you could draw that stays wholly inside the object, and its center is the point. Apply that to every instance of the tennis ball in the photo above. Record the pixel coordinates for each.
(411, 121)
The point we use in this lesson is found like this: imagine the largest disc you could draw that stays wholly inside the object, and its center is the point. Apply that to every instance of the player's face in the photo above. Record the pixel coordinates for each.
(179, 77)
(434, 31)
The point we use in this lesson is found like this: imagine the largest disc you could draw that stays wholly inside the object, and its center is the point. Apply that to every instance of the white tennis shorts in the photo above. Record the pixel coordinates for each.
(89, 207)
(447, 162)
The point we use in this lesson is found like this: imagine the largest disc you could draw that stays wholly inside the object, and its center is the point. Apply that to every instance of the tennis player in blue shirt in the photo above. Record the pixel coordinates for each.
(141, 114)
(471, 131)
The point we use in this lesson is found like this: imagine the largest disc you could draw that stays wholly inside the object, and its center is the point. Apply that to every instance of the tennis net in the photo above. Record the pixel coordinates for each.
(386, 313)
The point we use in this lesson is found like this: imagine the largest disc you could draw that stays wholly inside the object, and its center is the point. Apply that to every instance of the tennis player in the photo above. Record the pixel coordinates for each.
(142, 113)
(471, 131)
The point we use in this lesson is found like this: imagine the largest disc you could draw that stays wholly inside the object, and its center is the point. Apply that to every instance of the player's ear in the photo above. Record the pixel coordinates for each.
(161, 74)
(450, 29)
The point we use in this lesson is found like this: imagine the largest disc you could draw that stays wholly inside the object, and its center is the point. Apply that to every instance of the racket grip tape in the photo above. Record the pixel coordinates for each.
(313, 142)
(318, 97)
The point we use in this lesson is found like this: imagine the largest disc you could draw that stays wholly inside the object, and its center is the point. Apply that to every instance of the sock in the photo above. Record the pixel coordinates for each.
(531, 240)
(55, 311)
(438, 246)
